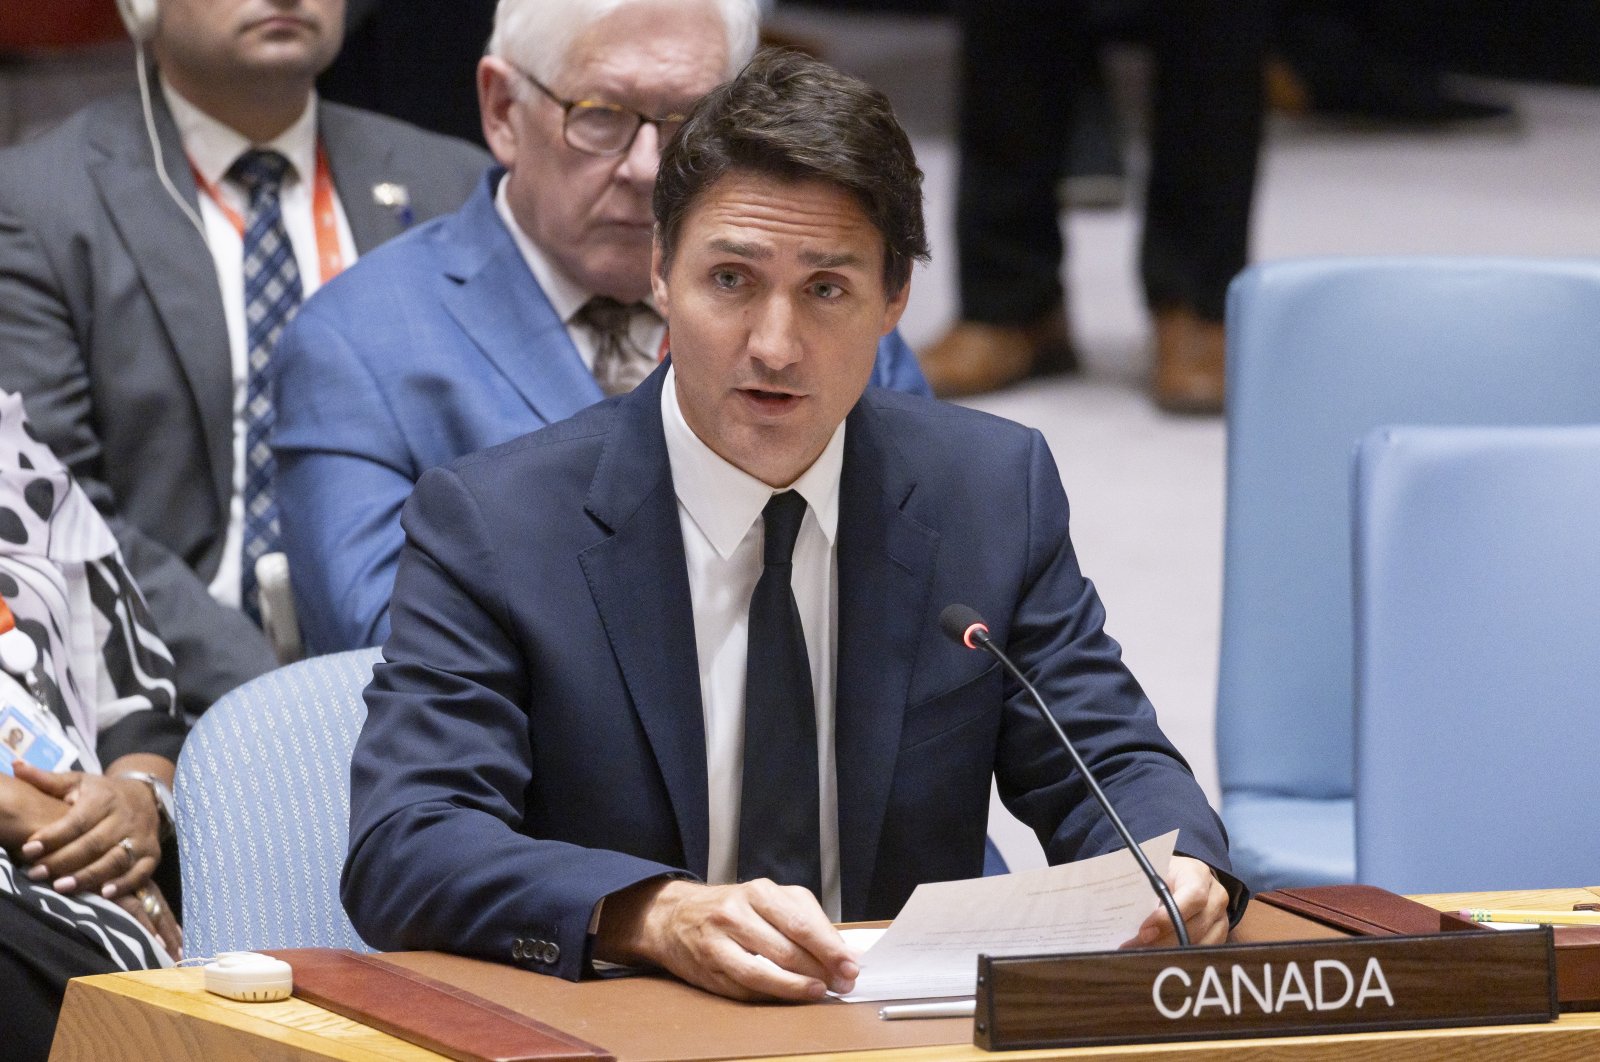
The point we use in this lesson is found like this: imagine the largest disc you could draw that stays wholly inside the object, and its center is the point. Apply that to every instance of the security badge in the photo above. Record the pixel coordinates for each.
(28, 730)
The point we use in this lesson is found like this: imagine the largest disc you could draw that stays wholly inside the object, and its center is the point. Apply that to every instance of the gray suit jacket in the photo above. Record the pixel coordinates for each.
(112, 329)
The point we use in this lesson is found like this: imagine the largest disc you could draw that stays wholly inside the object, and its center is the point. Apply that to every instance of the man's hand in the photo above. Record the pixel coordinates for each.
(1201, 900)
(720, 938)
(82, 849)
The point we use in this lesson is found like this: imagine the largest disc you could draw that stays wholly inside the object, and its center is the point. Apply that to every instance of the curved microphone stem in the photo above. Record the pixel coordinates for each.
(979, 637)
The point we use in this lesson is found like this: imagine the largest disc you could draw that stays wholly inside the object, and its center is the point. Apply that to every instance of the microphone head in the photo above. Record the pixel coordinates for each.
(961, 623)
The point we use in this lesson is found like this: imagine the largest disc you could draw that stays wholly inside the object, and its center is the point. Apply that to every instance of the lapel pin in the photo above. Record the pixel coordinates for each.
(396, 199)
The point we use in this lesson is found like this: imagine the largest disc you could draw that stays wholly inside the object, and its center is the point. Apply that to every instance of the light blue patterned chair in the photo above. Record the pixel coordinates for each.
(263, 809)
(1320, 352)
(1477, 588)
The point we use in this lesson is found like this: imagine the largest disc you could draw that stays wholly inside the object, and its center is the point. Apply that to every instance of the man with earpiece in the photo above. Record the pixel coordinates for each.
(153, 246)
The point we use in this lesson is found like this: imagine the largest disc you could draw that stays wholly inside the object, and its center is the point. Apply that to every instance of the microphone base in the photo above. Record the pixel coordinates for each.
(1235, 991)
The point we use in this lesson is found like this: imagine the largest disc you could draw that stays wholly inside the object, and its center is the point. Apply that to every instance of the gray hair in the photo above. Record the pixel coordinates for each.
(537, 34)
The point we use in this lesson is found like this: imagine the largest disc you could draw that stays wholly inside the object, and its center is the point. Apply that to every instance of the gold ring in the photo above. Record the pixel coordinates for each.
(126, 844)
(152, 906)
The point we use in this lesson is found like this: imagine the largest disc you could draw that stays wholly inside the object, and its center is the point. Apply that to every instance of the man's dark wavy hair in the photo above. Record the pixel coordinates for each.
(793, 118)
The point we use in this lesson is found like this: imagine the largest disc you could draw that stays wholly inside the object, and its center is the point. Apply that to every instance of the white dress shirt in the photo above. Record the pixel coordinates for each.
(567, 298)
(212, 148)
(719, 512)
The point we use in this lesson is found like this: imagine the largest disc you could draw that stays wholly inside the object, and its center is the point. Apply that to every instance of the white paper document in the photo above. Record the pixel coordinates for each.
(932, 948)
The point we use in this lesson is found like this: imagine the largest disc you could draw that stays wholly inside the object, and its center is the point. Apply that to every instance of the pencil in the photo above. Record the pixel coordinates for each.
(1547, 918)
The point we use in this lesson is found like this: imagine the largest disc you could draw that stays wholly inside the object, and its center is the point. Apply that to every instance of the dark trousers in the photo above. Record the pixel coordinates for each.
(37, 959)
(1017, 73)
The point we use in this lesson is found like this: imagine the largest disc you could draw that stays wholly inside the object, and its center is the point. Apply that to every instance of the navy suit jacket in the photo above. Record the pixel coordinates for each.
(534, 738)
(437, 345)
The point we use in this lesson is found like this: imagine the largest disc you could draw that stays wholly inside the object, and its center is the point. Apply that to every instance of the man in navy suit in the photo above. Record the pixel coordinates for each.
(665, 684)
(480, 326)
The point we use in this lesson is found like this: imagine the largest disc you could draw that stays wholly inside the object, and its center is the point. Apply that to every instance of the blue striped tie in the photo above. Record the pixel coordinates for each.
(271, 296)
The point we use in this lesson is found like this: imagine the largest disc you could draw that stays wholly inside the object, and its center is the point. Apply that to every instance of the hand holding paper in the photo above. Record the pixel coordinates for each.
(1201, 900)
(932, 949)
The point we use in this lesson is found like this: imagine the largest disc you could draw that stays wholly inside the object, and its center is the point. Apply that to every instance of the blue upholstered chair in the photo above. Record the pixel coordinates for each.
(263, 809)
(1477, 649)
(1319, 353)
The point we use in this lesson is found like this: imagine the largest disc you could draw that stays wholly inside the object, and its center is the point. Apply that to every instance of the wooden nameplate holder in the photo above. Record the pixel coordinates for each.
(429, 1013)
(1235, 991)
(1366, 911)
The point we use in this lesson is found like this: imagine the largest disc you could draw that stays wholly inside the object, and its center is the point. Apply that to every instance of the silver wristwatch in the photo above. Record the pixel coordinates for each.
(163, 795)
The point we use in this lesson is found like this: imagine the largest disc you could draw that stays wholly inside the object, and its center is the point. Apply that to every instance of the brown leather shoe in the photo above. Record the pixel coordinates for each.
(974, 357)
(1189, 376)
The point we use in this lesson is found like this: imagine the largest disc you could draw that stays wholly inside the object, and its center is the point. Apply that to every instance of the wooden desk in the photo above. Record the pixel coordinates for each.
(167, 1014)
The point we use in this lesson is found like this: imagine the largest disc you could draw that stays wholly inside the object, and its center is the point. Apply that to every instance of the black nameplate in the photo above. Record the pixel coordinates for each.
(1247, 990)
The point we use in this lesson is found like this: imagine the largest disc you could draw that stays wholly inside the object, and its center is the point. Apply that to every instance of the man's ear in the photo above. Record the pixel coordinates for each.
(896, 307)
(658, 279)
(497, 95)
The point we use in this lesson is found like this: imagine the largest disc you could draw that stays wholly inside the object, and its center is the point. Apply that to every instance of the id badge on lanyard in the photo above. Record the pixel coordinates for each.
(28, 730)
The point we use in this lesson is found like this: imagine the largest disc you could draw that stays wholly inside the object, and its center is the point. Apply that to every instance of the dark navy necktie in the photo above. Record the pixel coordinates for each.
(271, 296)
(779, 816)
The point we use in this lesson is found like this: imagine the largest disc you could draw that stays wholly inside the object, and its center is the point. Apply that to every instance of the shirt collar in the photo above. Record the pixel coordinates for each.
(566, 296)
(723, 500)
(213, 146)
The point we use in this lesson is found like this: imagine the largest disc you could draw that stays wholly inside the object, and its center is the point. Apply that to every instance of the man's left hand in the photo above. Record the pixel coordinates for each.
(1201, 900)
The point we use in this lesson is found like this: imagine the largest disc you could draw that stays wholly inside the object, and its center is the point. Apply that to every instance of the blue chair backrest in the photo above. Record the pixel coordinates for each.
(1320, 352)
(1477, 565)
(263, 809)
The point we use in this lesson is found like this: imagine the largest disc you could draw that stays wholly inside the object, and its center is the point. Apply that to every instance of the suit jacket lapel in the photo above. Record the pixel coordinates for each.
(640, 582)
(500, 306)
(176, 265)
(885, 556)
(360, 162)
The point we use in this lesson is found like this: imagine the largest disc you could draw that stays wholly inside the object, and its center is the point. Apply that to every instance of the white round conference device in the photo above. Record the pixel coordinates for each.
(249, 977)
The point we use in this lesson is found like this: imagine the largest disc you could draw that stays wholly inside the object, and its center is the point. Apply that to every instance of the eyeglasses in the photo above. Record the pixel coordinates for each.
(595, 127)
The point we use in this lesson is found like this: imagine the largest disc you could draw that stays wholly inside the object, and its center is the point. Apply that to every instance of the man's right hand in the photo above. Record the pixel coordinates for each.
(718, 936)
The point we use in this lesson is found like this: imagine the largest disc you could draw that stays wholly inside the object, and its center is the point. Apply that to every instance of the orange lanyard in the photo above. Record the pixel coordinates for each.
(330, 258)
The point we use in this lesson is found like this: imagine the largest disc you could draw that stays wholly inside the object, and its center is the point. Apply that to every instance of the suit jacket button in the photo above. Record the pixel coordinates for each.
(516, 950)
(552, 952)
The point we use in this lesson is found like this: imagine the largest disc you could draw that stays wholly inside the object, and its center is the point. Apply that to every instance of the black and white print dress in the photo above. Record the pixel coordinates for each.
(102, 671)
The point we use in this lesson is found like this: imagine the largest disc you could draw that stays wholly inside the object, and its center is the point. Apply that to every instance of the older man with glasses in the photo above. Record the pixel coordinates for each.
(529, 304)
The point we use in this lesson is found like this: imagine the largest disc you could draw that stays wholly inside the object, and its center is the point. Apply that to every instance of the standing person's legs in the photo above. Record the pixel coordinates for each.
(1017, 68)
(1205, 141)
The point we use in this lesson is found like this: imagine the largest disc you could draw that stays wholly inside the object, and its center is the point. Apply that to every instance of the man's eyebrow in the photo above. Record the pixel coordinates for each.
(761, 252)
(741, 250)
(835, 260)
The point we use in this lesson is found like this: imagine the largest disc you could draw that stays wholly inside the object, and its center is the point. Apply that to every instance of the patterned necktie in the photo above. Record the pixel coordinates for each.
(779, 831)
(271, 296)
(619, 364)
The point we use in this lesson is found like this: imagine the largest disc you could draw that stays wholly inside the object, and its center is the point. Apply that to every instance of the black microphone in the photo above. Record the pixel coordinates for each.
(964, 626)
